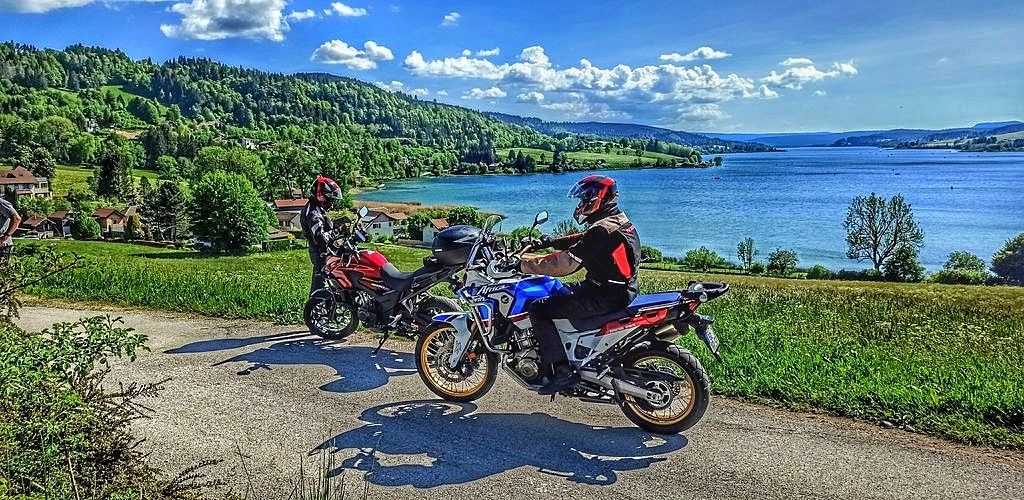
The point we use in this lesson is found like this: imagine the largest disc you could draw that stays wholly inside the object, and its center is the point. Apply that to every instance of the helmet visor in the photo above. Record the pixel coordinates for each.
(577, 191)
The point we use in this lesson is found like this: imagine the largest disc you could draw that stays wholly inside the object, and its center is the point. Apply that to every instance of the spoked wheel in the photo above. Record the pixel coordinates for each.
(432, 306)
(684, 392)
(329, 318)
(470, 380)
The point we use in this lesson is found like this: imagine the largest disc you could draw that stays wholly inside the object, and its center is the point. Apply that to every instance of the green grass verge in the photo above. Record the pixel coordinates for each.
(70, 175)
(939, 359)
(617, 158)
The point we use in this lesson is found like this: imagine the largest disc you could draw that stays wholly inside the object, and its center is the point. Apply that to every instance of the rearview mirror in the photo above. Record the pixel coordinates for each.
(363, 211)
(541, 218)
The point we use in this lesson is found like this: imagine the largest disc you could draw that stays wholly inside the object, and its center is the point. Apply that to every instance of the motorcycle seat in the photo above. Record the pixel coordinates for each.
(639, 304)
(397, 280)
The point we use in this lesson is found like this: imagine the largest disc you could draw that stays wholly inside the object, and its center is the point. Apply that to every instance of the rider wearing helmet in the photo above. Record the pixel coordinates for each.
(317, 226)
(609, 250)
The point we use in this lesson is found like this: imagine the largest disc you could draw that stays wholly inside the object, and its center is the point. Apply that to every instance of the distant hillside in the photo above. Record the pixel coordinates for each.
(702, 142)
(877, 138)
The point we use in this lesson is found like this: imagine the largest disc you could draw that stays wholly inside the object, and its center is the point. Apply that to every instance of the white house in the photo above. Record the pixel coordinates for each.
(379, 222)
(435, 226)
(21, 181)
(289, 221)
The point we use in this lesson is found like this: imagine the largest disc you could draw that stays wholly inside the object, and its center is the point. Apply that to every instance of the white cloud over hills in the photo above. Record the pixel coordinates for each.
(339, 52)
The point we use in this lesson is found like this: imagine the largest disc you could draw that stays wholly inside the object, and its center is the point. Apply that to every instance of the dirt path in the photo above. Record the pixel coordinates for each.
(281, 396)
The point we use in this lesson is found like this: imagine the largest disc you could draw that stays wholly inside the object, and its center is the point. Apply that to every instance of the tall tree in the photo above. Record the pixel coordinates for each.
(165, 212)
(876, 228)
(746, 252)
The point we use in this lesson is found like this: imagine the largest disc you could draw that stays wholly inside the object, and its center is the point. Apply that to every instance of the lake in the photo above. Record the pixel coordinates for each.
(795, 199)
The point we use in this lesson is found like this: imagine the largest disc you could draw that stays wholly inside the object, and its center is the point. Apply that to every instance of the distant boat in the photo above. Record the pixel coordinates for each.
(717, 177)
(380, 186)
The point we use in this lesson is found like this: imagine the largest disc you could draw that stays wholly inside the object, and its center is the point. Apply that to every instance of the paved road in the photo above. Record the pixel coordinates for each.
(279, 396)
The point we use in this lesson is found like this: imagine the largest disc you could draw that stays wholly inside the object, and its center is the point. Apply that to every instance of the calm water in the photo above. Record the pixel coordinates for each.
(795, 199)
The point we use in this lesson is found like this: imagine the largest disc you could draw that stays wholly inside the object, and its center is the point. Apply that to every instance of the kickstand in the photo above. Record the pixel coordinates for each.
(387, 335)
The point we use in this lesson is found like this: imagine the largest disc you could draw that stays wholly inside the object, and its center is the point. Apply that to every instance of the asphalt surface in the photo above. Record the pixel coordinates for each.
(266, 398)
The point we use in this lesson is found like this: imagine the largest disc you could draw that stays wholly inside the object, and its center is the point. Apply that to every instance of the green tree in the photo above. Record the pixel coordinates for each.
(133, 227)
(465, 215)
(114, 176)
(227, 211)
(819, 272)
(782, 261)
(55, 134)
(34, 205)
(964, 261)
(650, 254)
(718, 161)
(84, 227)
(1008, 262)
(703, 259)
(903, 266)
(746, 251)
(166, 212)
(876, 228)
(38, 160)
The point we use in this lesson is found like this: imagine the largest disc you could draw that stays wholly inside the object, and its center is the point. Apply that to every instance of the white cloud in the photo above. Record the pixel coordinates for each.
(300, 15)
(339, 52)
(441, 92)
(488, 52)
(394, 86)
(451, 19)
(419, 92)
(795, 77)
(478, 93)
(820, 93)
(666, 93)
(466, 52)
(705, 52)
(345, 10)
(40, 6)
(220, 19)
(532, 96)
(797, 61)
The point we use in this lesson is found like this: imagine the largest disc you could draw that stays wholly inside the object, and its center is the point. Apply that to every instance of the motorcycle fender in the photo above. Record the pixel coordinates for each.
(322, 293)
(461, 323)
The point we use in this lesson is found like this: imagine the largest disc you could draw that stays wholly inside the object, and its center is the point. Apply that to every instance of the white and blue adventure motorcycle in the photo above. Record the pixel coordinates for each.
(626, 357)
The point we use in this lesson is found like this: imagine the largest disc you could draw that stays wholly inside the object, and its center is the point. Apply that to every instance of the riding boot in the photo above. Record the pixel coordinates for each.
(562, 379)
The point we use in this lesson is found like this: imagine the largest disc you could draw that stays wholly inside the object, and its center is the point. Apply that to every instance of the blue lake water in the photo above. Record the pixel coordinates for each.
(795, 199)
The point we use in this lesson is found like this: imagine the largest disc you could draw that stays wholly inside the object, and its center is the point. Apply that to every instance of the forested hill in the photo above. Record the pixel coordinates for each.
(601, 129)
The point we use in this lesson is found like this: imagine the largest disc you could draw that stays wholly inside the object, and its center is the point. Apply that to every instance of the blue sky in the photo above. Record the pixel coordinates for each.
(748, 66)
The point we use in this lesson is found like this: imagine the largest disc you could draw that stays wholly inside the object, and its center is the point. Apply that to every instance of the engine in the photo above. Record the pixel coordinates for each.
(366, 308)
(526, 360)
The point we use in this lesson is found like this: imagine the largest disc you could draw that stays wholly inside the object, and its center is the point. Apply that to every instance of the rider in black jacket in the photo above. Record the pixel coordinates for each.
(317, 226)
(609, 250)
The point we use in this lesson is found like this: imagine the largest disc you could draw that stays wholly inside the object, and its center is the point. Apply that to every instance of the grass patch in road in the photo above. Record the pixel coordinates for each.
(940, 359)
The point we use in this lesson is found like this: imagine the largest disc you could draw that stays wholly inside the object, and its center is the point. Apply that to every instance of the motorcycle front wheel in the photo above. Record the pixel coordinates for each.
(470, 380)
(687, 392)
(329, 318)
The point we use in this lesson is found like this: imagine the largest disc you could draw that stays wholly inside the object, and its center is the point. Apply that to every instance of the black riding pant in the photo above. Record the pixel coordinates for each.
(317, 259)
(586, 300)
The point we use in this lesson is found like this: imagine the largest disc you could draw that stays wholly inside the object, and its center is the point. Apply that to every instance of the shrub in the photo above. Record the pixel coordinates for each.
(757, 267)
(858, 275)
(703, 259)
(964, 261)
(465, 215)
(1008, 263)
(819, 272)
(227, 211)
(959, 277)
(84, 227)
(650, 254)
(782, 261)
(903, 266)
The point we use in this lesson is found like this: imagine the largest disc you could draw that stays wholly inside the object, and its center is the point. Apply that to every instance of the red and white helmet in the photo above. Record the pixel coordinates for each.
(596, 193)
(324, 189)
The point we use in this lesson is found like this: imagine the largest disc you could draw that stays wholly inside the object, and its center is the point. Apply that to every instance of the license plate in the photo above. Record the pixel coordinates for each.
(709, 338)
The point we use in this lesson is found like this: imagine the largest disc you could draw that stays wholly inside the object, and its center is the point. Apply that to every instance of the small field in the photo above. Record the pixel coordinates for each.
(617, 158)
(69, 175)
(937, 359)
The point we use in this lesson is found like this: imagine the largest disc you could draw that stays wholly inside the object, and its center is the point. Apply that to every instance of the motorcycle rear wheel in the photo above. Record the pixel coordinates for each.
(318, 317)
(690, 396)
(471, 380)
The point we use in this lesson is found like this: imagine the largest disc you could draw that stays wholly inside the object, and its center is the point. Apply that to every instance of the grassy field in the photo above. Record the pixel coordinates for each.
(939, 359)
(69, 175)
(617, 158)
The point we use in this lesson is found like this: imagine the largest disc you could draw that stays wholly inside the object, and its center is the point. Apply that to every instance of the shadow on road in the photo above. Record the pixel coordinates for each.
(357, 367)
(462, 446)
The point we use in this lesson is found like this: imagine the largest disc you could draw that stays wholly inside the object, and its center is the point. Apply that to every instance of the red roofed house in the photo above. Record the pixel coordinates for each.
(21, 181)
(42, 227)
(431, 230)
(293, 205)
(110, 220)
(380, 222)
(63, 221)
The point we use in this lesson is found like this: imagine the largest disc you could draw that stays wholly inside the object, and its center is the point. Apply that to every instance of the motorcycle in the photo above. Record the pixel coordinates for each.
(627, 357)
(362, 286)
